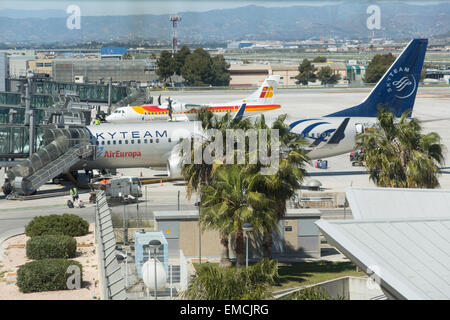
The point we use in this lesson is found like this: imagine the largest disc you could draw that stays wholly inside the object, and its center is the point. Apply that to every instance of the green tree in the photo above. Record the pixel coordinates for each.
(180, 58)
(326, 76)
(198, 174)
(220, 70)
(229, 202)
(320, 59)
(214, 283)
(398, 155)
(306, 73)
(127, 56)
(197, 69)
(166, 66)
(281, 186)
(378, 66)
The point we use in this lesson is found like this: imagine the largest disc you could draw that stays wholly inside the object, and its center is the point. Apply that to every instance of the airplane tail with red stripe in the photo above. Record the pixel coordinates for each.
(265, 93)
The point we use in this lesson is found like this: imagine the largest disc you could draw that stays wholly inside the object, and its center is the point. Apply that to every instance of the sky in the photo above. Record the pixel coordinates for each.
(129, 7)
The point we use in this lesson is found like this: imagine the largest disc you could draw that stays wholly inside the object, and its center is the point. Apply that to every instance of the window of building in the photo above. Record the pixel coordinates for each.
(132, 141)
(120, 141)
(139, 141)
(126, 141)
(157, 140)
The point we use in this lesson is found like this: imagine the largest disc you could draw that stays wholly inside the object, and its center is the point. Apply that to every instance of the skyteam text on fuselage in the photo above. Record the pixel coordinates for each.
(153, 144)
(261, 100)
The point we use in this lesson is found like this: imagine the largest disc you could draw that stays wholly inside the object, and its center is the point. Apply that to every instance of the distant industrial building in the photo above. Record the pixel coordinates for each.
(85, 71)
(254, 74)
(18, 65)
(240, 45)
(115, 53)
(287, 73)
(248, 74)
(3, 71)
(355, 71)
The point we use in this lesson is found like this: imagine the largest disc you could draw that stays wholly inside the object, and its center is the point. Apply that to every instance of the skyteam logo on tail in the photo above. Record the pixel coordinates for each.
(401, 82)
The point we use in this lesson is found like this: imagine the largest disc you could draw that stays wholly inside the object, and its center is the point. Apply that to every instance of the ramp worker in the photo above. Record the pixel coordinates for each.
(74, 193)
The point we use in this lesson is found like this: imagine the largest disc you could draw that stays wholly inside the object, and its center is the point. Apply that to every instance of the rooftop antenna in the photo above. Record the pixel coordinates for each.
(174, 20)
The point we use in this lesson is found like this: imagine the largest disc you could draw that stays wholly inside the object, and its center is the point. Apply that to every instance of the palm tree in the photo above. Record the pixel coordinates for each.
(214, 283)
(398, 155)
(229, 202)
(198, 175)
(281, 186)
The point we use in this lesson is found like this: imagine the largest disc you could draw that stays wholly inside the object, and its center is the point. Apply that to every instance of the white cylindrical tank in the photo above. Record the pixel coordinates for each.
(148, 274)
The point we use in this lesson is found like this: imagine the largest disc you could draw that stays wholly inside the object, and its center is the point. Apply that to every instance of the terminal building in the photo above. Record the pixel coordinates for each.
(85, 71)
(254, 74)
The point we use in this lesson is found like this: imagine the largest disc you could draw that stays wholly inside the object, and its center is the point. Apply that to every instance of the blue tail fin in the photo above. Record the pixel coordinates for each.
(396, 91)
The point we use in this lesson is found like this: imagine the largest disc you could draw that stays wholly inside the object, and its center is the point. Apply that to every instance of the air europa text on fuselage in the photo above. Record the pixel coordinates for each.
(130, 135)
(120, 154)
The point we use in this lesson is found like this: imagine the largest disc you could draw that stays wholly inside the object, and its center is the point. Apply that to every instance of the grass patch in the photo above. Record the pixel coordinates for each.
(298, 274)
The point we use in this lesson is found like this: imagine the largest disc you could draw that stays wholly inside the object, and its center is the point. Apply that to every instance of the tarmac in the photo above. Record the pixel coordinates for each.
(431, 103)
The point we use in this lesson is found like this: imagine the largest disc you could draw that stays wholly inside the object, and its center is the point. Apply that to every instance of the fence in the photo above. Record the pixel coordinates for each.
(112, 281)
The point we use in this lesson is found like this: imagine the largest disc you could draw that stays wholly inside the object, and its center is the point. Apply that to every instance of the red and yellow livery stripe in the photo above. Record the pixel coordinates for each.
(155, 110)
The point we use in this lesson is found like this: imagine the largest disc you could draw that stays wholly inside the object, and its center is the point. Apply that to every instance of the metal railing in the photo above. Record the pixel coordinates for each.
(111, 277)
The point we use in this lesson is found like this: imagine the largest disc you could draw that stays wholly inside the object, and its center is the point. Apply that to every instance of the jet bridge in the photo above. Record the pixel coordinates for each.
(63, 149)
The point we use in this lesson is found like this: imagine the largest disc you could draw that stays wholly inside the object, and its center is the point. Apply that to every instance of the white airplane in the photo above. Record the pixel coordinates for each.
(152, 145)
(261, 100)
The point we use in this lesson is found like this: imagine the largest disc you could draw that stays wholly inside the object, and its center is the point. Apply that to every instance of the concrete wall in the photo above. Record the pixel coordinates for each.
(188, 240)
(352, 288)
(295, 241)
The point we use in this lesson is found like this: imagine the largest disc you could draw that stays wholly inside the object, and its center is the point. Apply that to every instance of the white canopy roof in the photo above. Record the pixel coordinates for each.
(401, 236)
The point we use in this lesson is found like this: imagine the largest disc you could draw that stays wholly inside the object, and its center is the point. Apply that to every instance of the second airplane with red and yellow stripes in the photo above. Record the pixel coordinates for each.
(261, 100)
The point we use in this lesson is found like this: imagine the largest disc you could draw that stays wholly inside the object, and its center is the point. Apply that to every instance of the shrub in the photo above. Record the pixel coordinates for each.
(51, 246)
(66, 224)
(212, 282)
(46, 275)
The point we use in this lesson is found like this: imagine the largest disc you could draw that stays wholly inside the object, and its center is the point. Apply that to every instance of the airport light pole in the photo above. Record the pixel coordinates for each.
(247, 227)
(124, 221)
(197, 204)
(155, 244)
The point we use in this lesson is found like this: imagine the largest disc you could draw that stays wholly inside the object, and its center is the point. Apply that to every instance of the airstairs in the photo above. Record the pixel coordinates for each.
(64, 148)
